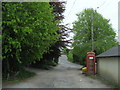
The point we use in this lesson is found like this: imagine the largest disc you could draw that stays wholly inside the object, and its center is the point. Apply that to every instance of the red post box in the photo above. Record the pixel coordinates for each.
(90, 63)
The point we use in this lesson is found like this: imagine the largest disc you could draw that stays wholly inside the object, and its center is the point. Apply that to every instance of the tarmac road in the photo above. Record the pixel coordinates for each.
(65, 75)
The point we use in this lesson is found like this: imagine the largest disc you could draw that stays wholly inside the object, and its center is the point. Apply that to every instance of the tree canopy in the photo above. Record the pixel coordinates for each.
(104, 34)
(29, 29)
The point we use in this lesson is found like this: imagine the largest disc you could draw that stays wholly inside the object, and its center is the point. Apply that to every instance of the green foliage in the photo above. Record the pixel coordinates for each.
(70, 56)
(28, 32)
(104, 35)
(51, 58)
(66, 51)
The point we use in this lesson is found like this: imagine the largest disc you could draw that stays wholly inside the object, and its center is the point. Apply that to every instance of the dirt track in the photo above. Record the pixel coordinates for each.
(65, 75)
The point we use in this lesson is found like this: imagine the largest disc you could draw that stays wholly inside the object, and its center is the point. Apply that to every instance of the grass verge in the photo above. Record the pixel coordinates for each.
(112, 84)
(22, 75)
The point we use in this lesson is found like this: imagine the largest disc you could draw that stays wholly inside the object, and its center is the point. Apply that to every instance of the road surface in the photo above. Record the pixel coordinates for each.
(65, 75)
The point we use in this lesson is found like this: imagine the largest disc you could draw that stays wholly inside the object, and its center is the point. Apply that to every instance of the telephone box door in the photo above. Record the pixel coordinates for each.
(90, 61)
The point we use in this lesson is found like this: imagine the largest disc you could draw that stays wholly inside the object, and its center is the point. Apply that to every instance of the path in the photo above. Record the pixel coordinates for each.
(65, 75)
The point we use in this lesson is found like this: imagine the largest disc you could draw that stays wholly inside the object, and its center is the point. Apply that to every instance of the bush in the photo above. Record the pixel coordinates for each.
(70, 56)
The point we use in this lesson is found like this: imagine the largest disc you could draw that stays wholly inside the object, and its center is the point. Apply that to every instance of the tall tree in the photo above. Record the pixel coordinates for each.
(28, 32)
(58, 9)
(55, 49)
(104, 35)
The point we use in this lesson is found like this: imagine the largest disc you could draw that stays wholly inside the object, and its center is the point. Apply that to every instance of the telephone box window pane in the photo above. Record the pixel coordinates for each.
(90, 57)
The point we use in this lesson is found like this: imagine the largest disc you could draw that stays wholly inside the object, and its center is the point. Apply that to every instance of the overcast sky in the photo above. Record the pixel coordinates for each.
(108, 8)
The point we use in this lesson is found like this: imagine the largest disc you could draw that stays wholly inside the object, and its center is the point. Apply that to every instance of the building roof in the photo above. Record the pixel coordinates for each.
(113, 52)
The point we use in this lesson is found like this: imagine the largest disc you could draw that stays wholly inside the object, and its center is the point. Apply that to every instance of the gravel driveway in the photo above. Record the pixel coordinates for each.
(65, 75)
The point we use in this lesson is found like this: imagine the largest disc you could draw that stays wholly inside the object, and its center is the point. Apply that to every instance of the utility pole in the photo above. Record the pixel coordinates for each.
(92, 33)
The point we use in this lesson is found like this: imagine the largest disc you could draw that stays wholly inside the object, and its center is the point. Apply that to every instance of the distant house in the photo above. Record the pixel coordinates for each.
(108, 63)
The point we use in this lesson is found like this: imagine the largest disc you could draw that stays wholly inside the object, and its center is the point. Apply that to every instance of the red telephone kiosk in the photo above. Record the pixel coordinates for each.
(91, 63)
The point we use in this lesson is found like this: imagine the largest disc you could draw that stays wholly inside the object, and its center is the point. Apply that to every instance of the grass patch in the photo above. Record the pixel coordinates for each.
(22, 75)
(97, 77)
(49, 65)
(46, 66)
